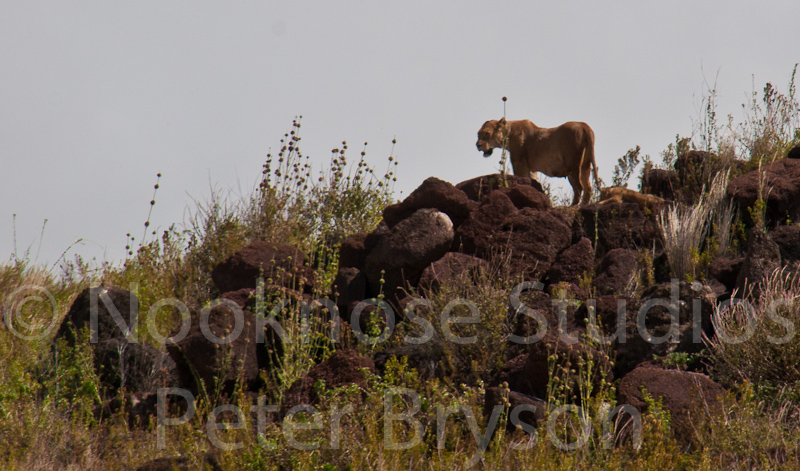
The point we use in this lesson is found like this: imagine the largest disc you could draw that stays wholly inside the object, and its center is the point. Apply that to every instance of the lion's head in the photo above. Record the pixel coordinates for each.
(491, 135)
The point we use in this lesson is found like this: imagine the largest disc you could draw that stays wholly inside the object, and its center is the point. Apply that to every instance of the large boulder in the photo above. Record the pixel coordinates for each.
(119, 361)
(571, 356)
(477, 188)
(531, 409)
(400, 256)
(279, 264)
(219, 350)
(449, 268)
(778, 184)
(788, 240)
(618, 225)
(615, 271)
(432, 193)
(533, 238)
(572, 264)
(524, 196)
(692, 304)
(477, 234)
(763, 257)
(512, 374)
(726, 271)
(353, 251)
(349, 287)
(660, 182)
(688, 397)
(342, 368)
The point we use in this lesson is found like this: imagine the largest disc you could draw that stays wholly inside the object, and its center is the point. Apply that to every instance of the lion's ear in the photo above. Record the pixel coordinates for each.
(502, 120)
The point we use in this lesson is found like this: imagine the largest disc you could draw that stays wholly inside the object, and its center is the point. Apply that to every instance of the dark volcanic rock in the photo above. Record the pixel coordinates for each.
(618, 226)
(281, 263)
(477, 188)
(512, 373)
(436, 194)
(780, 185)
(788, 240)
(572, 263)
(349, 286)
(529, 410)
(615, 271)
(794, 153)
(534, 239)
(353, 251)
(763, 257)
(537, 369)
(530, 238)
(726, 270)
(687, 396)
(477, 234)
(524, 196)
(448, 268)
(119, 361)
(402, 255)
(343, 367)
(660, 182)
(689, 303)
(219, 349)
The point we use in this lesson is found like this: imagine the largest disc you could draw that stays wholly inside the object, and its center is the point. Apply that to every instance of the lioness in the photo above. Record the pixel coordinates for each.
(563, 151)
(618, 194)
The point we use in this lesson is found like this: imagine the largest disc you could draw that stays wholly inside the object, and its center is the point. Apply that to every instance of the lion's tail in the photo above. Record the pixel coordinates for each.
(590, 154)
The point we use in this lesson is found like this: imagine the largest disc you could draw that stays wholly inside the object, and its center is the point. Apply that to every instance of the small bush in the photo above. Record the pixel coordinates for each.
(756, 342)
(685, 229)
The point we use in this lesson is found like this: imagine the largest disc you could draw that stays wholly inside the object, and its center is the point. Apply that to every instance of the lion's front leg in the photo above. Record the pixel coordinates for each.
(519, 164)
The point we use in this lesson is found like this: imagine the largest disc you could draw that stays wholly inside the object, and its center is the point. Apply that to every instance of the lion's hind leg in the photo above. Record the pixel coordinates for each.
(577, 188)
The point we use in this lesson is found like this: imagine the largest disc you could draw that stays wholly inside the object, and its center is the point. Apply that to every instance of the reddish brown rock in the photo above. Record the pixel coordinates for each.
(537, 369)
(763, 257)
(618, 226)
(353, 251)
(778, 184)
(788, 240)
(726, 270)
(436, 194)
(524, 196)
(530, 410)
(572, 264)
(615, 271)
(794, 153)
(343, 367)
(477, 188)
(400, 257)
(660, 182)
(281, 264)
(119, 360)
(687, 396)
(658, 304)
(212, 351)
(448, 268)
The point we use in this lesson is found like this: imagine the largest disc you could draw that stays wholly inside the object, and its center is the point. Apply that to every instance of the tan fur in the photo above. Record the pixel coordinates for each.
(563, 151)
(618, 194)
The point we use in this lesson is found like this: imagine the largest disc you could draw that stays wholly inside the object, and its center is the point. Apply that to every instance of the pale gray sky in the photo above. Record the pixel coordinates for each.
(96, 97)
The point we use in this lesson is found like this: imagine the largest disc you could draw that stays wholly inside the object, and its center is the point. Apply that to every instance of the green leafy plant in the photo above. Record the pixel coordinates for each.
(625, 166)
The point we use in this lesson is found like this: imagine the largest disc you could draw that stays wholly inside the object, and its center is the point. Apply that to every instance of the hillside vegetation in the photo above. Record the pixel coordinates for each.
(320, 325)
